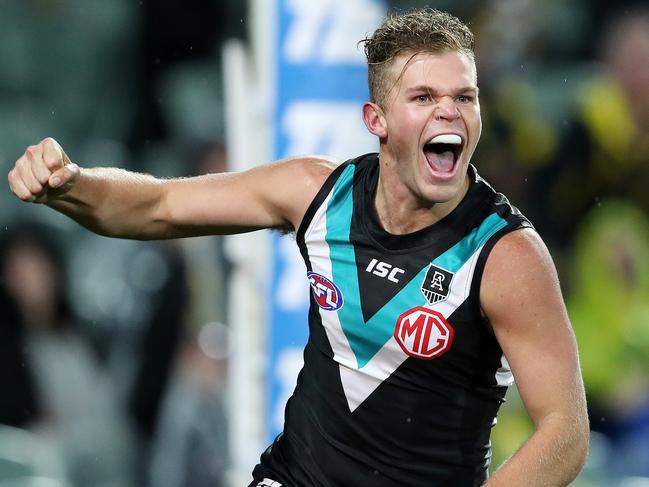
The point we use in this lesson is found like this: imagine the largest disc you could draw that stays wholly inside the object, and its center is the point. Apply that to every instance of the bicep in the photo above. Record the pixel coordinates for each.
(521, 297)
(271, 196)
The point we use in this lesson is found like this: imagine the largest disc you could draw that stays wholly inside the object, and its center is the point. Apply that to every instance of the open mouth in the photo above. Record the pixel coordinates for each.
(443, 151)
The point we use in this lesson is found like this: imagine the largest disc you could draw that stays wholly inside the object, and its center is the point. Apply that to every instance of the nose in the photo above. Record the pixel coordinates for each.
(446, 109)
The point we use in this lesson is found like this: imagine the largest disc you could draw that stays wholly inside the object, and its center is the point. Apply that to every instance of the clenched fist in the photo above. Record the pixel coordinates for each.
(43, 173)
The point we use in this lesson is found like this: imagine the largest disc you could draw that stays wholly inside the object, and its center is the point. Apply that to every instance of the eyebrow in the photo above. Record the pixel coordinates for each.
(428, 89)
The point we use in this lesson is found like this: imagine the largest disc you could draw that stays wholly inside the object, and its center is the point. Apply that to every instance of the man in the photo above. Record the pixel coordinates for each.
(423, 280)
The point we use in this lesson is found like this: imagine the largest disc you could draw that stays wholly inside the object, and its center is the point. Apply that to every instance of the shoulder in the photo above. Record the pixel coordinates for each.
(310, 171)
(295, 182)
(519, 277)
(313, 170)
(517, 250)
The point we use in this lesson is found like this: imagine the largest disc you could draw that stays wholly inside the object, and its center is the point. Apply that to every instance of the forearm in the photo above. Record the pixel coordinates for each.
(552, 456)
(116, 203)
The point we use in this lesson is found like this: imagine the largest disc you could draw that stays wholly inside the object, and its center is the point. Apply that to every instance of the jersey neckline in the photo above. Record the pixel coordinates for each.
(449, 226)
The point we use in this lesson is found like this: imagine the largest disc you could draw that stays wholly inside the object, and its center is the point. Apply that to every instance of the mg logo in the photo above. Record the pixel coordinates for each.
(325, 292)
(383, 269)
(423, 333)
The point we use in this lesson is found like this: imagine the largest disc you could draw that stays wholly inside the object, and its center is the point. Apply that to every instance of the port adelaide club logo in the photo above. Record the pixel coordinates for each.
(325, 292)
(437, 284)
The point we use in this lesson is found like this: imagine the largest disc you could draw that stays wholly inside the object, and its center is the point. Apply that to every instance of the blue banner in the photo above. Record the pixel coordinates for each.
(321, 85)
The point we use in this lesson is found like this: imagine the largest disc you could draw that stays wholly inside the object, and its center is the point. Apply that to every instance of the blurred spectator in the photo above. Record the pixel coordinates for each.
(18, 405)
(78, 410)
(604, 151)
(191, 447)
(134, 295)
(609, 308)
(159, 340)
(597, 201)
(153, 344)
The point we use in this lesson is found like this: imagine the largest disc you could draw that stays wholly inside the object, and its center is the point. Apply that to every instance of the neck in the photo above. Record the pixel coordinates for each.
(400, 211)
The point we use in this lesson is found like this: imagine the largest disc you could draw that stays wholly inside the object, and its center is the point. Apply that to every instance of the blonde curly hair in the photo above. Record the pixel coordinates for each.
(415, 31)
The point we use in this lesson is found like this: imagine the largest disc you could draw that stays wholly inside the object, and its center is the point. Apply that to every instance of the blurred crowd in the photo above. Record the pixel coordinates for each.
(113, 354)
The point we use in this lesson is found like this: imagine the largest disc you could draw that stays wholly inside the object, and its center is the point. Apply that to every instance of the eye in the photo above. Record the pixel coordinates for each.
(423, 98)
(464, 99)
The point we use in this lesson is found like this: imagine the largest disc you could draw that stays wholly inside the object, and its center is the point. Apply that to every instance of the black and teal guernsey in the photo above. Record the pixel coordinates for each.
(402, 376)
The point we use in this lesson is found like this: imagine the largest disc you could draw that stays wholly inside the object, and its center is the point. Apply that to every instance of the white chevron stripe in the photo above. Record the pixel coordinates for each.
(318, 249)
(357, 383)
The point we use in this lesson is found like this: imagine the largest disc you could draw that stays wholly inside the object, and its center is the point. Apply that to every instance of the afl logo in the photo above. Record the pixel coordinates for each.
(423, 333)
(325, 292)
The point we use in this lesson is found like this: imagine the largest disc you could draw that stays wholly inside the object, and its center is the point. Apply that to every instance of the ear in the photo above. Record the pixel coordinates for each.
(375, 120)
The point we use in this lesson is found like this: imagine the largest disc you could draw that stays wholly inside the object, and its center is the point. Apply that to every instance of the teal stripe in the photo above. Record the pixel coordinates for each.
(456, 256)
(341, 252)
(365, 339)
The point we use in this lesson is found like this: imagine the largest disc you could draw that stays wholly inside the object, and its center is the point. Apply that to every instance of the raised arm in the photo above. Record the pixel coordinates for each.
(521, 297)
(124, 204)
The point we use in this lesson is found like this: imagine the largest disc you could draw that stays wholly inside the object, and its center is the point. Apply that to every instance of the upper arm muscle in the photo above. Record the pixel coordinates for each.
(521, 297)
(270, 196)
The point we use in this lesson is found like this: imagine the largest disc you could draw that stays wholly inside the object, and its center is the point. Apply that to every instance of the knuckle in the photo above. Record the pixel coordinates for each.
(22, 193)
(25, 195)
(43, 177)
(52, 159)
(34, 186)
(53, 165)
(23, 165)
(13, 176)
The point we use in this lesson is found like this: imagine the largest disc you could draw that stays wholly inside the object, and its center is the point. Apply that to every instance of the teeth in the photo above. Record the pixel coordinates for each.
(446, 139)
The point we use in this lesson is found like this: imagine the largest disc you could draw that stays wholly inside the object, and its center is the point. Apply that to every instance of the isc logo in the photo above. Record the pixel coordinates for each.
(423, 333)
(383, 269)
(325, 292)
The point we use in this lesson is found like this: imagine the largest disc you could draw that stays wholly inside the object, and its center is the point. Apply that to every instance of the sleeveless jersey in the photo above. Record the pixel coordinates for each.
(402, 376)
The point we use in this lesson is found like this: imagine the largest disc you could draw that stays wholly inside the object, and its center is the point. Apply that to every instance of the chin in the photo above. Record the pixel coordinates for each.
(441, 195)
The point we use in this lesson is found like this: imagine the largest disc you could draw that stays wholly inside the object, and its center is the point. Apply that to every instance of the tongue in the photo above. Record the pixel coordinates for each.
(440, 162)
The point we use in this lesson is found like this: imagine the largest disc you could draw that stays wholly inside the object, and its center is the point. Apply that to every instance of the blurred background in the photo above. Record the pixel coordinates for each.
(126, 363)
